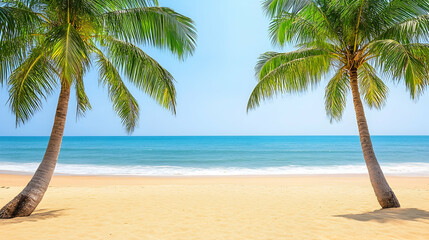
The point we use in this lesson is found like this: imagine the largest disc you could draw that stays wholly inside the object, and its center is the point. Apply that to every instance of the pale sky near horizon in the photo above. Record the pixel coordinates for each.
(213, 87)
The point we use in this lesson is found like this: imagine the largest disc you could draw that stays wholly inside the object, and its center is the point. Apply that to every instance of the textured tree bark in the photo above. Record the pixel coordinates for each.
(384, 193)
(26, 201)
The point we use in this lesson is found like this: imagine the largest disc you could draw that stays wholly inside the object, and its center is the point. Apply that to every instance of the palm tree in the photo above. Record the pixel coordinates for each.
(51, 43)
(353, 41)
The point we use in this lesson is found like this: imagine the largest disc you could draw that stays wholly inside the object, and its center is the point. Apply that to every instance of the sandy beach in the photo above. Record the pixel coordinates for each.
(292, 207)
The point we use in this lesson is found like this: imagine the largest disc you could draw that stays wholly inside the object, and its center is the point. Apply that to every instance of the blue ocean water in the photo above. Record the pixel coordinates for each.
(218, 155)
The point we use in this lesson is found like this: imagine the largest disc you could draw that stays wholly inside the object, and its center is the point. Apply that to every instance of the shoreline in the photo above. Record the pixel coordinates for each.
(409, 169)
(411, 175)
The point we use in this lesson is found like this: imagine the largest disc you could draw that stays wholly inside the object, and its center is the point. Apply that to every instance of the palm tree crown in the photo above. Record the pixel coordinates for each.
(49, 42)
(335, 37)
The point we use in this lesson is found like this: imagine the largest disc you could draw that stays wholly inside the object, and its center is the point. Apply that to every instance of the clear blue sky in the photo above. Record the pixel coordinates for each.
(213, 87)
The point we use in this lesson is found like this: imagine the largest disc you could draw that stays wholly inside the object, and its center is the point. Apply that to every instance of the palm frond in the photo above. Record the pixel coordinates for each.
(7, 21)
(296, 28)
(288, 73)
(17, 22)
(400, 62)
(305, 22)
(143, 71)
(123, 101)
(156, 26)
(268, 61)
(135, 3)
(29, 84)
(68, 50)
(13, 52)
(372, 87)
(277, 7)
(82, 100)
(398, 11)
(411, 30)
(336, 95)
(17, 19)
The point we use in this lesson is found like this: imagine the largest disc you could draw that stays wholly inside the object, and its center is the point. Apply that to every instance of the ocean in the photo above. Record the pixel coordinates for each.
(218, 155)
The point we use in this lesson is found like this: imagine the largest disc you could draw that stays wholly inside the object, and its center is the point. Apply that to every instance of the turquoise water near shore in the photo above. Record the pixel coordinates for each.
(218, 155)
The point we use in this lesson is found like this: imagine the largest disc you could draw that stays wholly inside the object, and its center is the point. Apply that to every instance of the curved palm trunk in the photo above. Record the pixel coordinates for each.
(26, 201)
(384, 193)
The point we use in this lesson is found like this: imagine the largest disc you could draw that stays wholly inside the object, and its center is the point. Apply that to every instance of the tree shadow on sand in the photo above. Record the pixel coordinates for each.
(392, 214)
(40, 214)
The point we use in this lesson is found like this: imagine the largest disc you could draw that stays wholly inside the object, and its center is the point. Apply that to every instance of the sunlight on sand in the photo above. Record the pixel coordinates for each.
(220, 208)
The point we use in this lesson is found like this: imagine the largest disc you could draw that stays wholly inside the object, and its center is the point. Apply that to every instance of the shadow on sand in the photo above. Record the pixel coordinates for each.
(393, 214)
(40, 214)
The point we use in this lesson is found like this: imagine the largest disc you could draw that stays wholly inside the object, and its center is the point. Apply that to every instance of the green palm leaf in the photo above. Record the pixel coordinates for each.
(399, 61)
(157, 26)
(7, 22)
(68, 51)
(277, 7)
(17, 19)
(31, 83)
(336, 95)
(410, 30)
(288, 73)
(14, 52)
(395, 12)
(124, 103)
(372, 87)
(82, 100)
(143, 71)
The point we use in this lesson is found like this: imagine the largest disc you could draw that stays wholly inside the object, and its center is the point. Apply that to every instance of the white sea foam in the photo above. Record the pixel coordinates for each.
(408, 169)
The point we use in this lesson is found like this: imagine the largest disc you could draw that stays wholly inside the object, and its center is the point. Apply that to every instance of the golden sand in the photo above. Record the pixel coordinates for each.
(219, 208)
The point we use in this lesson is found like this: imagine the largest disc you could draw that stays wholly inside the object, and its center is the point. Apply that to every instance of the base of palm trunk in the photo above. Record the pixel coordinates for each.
(20, 206)
(389, 200)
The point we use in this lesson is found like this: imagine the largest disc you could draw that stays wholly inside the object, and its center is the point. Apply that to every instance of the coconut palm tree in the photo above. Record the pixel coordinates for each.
(47, 44)
(353, 41)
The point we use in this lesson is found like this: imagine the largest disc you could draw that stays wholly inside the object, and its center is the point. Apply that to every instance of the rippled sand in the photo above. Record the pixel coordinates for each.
(221, 208)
